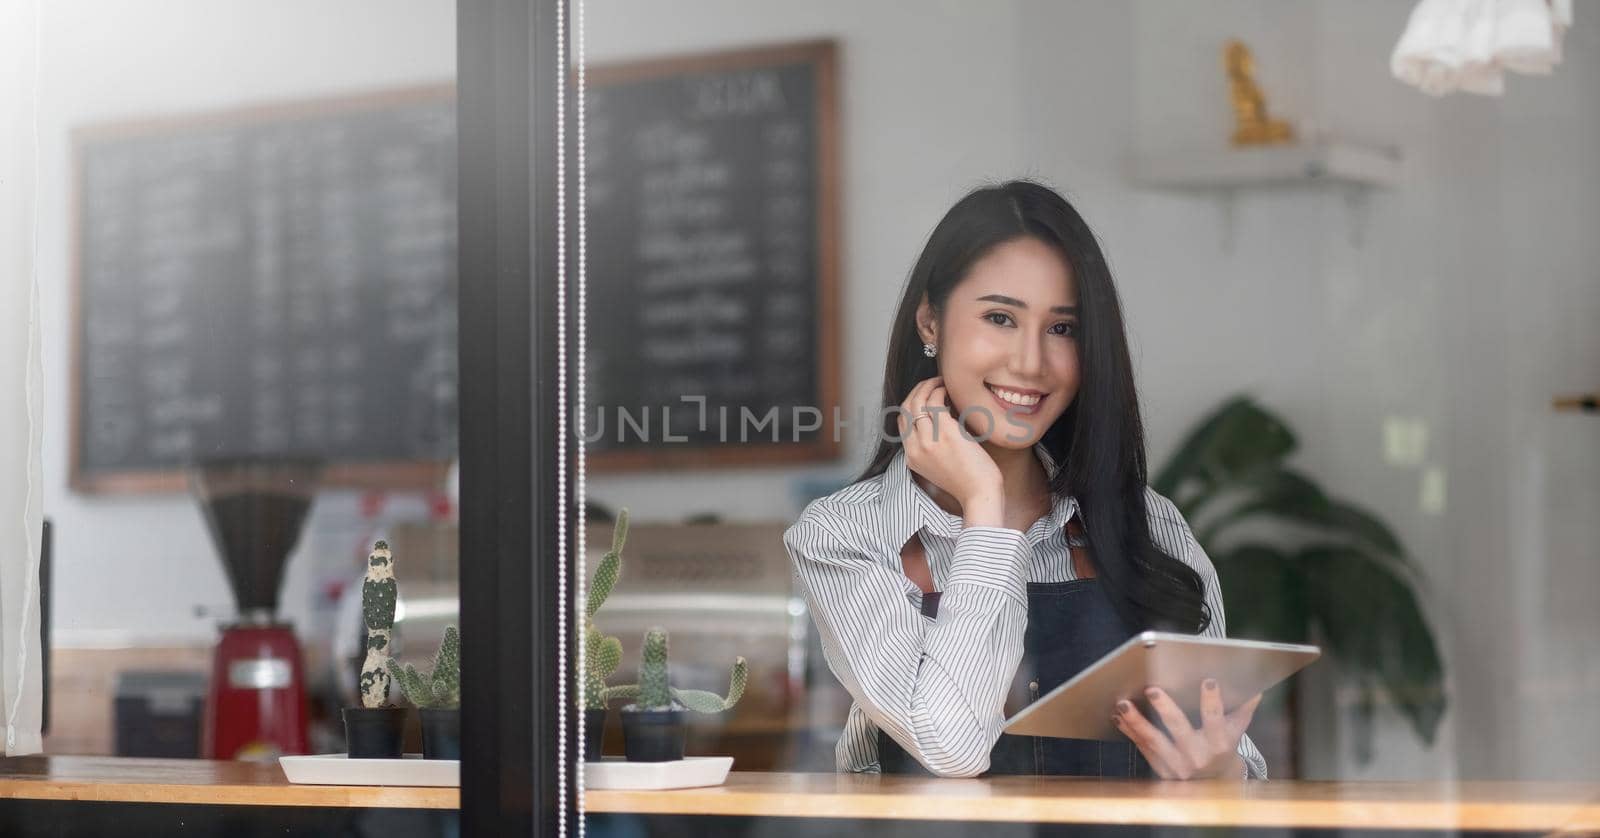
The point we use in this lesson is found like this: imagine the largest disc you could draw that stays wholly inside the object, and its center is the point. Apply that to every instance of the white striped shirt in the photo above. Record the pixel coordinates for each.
(938, 687)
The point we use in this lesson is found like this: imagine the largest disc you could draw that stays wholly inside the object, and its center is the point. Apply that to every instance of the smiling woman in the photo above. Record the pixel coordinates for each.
(965, 563)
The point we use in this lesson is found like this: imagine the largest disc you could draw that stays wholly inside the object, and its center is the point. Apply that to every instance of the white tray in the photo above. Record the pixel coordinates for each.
(690, 773)
(337, 770)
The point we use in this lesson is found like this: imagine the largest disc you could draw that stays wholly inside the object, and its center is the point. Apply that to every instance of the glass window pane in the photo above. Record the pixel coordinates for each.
(247, 259)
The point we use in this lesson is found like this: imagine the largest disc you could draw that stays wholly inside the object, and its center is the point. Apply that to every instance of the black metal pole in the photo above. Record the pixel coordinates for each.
(506, 89)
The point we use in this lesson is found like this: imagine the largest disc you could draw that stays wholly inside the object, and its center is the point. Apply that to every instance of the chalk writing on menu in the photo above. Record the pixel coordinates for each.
(703, 253)
(269, 286)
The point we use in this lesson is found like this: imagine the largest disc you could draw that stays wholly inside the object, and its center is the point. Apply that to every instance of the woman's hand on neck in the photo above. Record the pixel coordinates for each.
(1025, 488)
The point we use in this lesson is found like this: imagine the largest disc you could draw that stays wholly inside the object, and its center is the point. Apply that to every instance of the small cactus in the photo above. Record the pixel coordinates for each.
(439, 689)
(602, 654)
(655, 692)
(379, 591)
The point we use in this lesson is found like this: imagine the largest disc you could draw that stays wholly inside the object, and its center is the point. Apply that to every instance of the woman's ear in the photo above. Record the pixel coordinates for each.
(927, 323)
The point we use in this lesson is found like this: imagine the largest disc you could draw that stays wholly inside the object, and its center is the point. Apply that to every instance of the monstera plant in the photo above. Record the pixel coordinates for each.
(1323, 571)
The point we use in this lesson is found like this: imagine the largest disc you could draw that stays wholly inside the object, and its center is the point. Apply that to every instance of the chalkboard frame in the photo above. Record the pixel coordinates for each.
(822, 57)
(399, 474)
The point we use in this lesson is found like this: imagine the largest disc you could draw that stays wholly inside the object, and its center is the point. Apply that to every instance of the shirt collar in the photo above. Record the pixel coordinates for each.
(913, 510)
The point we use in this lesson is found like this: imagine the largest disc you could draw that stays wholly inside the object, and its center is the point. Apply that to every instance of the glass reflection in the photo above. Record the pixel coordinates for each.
(1342, 394)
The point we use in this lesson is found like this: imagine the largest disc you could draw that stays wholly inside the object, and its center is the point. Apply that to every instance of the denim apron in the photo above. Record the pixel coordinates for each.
(1070, 626)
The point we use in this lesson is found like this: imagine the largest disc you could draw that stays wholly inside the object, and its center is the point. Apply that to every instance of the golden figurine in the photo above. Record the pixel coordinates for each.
(1252, 125)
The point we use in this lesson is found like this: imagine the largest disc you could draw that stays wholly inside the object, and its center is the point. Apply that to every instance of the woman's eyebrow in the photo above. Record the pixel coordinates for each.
(1013, 301)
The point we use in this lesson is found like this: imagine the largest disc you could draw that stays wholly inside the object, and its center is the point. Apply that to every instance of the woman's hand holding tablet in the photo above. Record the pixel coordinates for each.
(1181, 752)
(1151, 690)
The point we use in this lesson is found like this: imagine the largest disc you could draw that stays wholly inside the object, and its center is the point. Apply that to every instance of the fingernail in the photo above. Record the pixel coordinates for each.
(1152, 692)
(1116, 720)
(1123, 707)
(1211, 683)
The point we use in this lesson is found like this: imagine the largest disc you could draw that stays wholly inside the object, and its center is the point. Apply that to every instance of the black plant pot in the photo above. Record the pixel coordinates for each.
(374, 733)
(441, 733)
(654, 735)
(594, 734)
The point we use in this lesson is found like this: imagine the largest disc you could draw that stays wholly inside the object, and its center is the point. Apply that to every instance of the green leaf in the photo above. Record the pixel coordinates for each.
(1239, 438)
(1366, 526)
(1287, 495)
(1355, 592)
(1263, 593)
(1282, 492)
(1372, 622)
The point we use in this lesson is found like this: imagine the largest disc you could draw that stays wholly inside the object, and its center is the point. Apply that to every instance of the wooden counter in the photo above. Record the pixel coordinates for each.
(108, 779)
(1542, 807)
(1538, 807)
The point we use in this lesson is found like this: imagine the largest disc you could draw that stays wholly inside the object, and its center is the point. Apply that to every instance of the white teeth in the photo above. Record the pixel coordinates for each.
(1015, 398)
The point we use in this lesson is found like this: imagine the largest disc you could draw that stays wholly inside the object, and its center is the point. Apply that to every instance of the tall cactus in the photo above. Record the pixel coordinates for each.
(602, 654)
(440, 688)
(379, 591)
(655, 691)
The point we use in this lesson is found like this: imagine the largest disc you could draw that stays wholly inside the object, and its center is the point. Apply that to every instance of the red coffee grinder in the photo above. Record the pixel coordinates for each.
(255, 509)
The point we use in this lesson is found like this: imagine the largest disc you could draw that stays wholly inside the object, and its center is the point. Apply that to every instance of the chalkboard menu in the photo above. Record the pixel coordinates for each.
(712, 253)
(271, 282)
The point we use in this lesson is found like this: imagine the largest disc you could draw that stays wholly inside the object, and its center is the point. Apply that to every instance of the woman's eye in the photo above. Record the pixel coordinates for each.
(1067, 329)
(999, 318)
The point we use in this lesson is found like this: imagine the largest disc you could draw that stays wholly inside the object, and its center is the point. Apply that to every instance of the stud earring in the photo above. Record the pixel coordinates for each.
(930, 350)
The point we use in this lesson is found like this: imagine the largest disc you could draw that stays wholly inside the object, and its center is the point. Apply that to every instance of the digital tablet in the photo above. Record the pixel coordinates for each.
(1082, 707)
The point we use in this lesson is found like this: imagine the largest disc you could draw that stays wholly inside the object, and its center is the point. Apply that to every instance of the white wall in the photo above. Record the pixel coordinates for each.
(133, 568)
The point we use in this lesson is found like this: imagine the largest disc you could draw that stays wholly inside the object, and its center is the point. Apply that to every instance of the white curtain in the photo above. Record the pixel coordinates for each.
(20, 483)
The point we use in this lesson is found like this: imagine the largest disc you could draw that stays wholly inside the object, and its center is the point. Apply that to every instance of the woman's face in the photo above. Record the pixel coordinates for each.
(1007, 342)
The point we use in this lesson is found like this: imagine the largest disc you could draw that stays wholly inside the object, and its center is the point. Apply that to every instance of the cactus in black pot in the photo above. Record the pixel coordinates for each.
(437, 696)
(374, 730)
(654, 727)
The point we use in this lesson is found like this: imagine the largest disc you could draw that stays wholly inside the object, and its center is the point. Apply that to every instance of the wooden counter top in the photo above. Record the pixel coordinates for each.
(1540, 807)
(109, 779)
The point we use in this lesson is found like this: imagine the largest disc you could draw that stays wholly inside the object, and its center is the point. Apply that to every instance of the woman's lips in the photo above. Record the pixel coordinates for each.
(1014, 408)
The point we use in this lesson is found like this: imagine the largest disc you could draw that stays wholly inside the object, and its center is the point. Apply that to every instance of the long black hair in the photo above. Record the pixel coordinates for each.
(1098, 441)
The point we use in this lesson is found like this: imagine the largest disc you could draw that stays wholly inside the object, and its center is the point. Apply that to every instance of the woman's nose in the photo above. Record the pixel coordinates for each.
(1027, 357)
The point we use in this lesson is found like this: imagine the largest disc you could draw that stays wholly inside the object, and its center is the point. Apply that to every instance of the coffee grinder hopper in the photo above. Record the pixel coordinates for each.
(255, 510)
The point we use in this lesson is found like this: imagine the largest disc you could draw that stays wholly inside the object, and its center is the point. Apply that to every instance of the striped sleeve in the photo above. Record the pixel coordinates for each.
(1171, 533)
(937, 687)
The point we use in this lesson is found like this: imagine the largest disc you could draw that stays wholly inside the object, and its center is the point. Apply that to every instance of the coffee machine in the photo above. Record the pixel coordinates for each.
(255, 509)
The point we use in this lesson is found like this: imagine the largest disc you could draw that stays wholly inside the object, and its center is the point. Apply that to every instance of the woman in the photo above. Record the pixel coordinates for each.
(1003, 537)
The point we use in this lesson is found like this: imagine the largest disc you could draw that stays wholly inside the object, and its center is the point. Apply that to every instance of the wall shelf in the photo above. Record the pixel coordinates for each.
(1222, 172)
(1269, 166)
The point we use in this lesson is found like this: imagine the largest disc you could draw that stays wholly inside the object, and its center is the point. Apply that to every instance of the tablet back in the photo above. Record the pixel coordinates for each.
(1081, 708)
